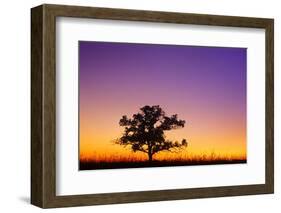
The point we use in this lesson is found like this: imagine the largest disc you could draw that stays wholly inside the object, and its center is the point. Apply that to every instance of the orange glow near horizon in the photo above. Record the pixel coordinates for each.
(211, 134)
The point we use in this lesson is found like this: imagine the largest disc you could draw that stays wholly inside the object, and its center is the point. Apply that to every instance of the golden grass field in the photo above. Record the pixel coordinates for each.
(132, 161)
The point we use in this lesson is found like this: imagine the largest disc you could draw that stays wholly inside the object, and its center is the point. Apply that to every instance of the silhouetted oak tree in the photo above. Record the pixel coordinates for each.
(144, 132)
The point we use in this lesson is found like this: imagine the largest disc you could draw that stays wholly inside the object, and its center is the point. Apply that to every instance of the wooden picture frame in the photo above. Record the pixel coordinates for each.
(43, 105)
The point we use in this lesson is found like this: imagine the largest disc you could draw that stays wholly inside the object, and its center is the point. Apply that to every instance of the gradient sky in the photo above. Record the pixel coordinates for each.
(205, 86)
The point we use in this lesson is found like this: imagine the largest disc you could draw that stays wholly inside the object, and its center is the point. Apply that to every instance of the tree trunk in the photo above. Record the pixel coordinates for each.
(149, 154)
(150, 157)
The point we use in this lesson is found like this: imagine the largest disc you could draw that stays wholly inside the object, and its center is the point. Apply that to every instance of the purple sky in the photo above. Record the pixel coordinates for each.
(218, 74)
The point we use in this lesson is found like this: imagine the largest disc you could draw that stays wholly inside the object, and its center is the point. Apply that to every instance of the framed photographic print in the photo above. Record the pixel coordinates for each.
(136, 106)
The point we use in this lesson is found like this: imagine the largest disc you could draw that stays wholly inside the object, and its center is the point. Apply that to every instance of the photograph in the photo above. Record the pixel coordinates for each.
(126, 101)
(155, 105)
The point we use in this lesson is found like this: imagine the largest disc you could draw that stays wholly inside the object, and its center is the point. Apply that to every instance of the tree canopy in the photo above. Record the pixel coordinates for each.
(144, 132)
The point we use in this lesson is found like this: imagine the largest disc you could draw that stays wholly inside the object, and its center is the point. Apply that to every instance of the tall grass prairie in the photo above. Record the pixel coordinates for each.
(106, 161)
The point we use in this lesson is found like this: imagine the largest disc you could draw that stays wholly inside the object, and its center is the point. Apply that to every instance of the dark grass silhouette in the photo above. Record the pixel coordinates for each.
(89, 165)
(131, 162)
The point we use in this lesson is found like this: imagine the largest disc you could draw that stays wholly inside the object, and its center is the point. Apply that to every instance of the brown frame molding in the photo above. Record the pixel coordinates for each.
(43, 105)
